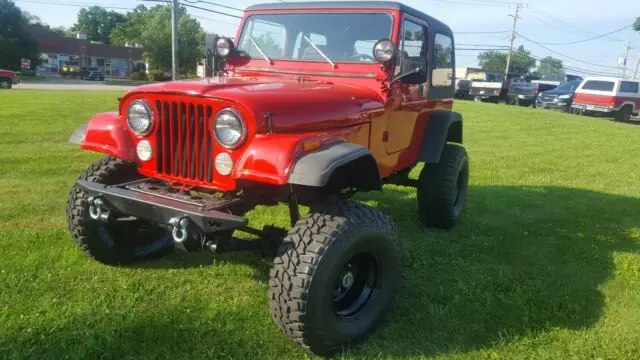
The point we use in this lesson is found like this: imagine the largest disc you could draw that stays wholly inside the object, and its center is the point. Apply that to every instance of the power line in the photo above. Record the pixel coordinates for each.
(492, 45)
(589, 39)
(481, 32)
(212, 11)
(106, 6)
(563, 55)
(212, 3)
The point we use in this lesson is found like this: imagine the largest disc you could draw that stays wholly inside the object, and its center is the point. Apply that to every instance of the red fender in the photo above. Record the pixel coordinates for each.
(107, 133)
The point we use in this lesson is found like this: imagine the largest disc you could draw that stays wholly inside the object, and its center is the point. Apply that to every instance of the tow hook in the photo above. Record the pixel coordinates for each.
(97, 209)
(179, 230)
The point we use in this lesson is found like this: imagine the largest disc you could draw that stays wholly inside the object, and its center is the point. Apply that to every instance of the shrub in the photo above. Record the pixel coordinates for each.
(138, 76)
(157, 75)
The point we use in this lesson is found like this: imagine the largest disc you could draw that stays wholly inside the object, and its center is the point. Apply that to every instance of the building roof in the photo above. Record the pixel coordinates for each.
(436, 25)
(50, 42)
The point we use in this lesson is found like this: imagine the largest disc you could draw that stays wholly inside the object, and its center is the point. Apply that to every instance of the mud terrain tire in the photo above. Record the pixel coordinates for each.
(335, 275)
(442, 188)
(122, 240)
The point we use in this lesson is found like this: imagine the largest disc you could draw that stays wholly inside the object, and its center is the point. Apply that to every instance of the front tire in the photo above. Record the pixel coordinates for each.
(122, 239)
(442, 188)
(335, 275)
(6, 83)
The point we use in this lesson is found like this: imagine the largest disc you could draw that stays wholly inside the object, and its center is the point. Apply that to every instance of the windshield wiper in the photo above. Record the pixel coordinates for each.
(320, 52)
(255, 43)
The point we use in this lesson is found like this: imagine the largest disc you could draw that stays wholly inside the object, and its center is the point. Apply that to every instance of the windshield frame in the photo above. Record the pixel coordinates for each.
(247, 18)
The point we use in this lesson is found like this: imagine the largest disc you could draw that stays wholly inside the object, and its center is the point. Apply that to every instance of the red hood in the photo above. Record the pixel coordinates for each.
(295, 105)
(8, 73)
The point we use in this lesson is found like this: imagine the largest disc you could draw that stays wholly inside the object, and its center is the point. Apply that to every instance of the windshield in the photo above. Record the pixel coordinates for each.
(341, 37)
(570, 86)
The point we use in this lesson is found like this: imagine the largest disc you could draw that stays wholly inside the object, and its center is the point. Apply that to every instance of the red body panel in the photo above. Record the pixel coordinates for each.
(284, 105)
(593, 99)
(8, 74)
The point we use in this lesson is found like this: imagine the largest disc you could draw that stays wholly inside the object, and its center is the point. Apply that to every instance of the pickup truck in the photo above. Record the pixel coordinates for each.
(7, 79)
(488, 87)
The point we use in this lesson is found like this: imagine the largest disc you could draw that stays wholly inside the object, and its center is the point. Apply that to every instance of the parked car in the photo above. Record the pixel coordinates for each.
(462, 88)
(187, 160)
(92, 74)
(521, 92)
(8, 78)
(611, 96)
(488, 87)
(559, 98)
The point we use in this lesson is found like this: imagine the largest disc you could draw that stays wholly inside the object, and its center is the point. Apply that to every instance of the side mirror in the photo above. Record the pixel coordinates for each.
(224, 47)
(415, 72)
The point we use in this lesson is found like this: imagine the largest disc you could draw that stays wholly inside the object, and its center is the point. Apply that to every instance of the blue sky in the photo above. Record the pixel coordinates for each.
(543, 21)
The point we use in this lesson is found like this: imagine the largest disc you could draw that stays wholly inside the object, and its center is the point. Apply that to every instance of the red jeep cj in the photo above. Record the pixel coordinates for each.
(317, 101)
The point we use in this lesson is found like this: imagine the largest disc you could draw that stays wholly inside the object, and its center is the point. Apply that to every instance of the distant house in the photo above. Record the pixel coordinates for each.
(57, 51)
(467, 72)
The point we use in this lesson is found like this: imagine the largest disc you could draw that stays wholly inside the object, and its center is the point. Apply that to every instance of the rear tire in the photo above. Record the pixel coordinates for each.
(335, 275)
(6, 83)
(442, 188)
(624, 114)
(119, 241)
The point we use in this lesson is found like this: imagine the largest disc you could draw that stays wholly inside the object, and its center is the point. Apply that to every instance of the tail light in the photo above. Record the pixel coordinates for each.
(537, 89)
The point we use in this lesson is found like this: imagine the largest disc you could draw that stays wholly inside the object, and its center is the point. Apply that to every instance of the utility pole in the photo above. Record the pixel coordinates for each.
(513, 37)
(635, 72)
(623, 60)
(174, 39)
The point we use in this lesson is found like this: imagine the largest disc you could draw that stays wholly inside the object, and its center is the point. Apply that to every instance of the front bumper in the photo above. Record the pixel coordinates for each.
(522, 97)
(150, 202)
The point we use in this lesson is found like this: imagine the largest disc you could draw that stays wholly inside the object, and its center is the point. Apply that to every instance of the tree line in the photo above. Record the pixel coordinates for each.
(521, 63)
(149, 26)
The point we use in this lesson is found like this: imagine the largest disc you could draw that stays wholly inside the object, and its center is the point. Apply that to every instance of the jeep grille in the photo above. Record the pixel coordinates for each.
(184, 144)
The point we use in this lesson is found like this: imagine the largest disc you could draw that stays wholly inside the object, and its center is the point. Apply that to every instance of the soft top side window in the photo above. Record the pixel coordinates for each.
(442, 73)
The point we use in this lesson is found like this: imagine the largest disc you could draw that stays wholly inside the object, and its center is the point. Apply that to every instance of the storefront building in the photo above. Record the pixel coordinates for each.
(57, 51)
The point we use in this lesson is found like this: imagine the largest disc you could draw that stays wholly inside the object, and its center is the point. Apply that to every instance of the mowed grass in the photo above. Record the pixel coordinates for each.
(545, 265)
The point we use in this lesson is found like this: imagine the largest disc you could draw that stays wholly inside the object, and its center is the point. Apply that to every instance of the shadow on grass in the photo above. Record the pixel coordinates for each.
(524, 260)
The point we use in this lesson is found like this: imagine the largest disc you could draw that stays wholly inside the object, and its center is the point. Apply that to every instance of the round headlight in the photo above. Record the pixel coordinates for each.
(224, 164)
(139, 117)
(144, 151)
(224, 46)
(228, 128)
(384, 51)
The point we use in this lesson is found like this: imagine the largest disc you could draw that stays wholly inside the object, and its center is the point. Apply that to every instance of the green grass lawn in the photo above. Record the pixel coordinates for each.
(545, 265)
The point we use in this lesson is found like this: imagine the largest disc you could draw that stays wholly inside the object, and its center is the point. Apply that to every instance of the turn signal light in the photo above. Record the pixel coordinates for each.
(311, 145)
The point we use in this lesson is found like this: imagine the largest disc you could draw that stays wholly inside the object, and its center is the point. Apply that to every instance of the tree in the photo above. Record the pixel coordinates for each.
(156, 39)
(495, 61)
(636, 25)
(135, 23)
(549, 67)
(16, 43)
(98, 23)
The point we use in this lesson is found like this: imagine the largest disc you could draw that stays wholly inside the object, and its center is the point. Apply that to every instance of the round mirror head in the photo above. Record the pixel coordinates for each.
(384, 51)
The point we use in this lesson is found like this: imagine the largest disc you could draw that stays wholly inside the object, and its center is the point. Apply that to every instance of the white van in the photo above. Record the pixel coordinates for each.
(617, 97)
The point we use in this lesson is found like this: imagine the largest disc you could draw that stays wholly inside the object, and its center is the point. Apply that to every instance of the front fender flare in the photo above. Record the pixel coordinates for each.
(315, 168)
(443, 127)
(107, 134)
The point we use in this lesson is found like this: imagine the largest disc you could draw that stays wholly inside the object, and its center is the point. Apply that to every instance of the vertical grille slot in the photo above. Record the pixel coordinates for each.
(184, 143)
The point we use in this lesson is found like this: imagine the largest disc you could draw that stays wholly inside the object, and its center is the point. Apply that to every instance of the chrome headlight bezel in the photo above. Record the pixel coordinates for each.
(150, 122)
(243, 131)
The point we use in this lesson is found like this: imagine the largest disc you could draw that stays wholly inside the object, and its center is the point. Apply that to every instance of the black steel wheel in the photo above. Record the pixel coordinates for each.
(121, 239)
(335, 275)
(5, 83)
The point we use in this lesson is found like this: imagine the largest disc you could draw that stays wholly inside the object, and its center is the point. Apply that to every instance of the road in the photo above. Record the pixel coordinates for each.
(60, 83)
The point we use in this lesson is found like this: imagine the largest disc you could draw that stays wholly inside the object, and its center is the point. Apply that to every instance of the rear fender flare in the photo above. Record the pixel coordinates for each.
(443, 127)
(106, 133)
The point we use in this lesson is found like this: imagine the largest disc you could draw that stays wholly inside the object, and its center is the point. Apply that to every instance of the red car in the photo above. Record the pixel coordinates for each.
(7, 79)
(317, 101)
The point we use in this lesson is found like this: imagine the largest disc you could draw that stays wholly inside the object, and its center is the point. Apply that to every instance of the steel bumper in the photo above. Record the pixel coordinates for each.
(160, 209)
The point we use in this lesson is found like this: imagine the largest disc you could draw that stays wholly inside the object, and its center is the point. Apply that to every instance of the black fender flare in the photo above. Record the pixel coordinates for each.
(443, 127)
(316, 168)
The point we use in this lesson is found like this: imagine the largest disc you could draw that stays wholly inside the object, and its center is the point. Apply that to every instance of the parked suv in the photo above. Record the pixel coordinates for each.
(318, 101)
(8, 79)
(560, 97)
(92, 74)
(617, 97)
